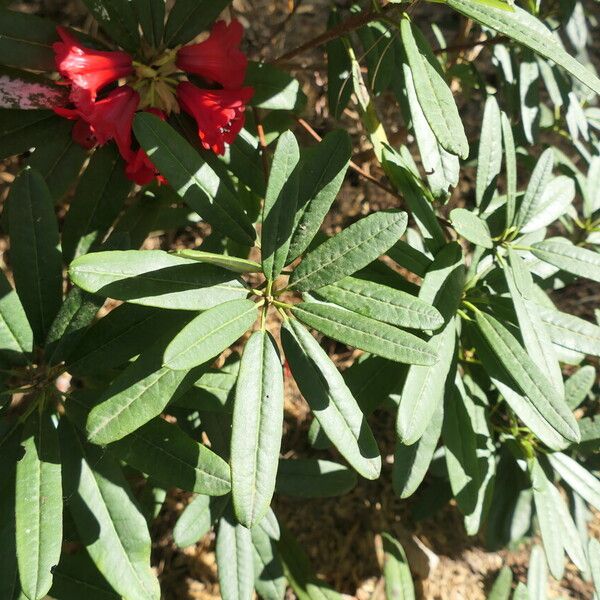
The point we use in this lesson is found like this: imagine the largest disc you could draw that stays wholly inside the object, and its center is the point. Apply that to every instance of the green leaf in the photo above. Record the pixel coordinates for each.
(137, 395)
(256, 429)
(365, 333)
(535, 189)
(570, 258)
(537, 574)
(502, 585)
(172, 458)
(269, 580)
(349, 251)
(274, 89)
(107, 518)
(339, 70)
(541, 401)
(151, 15)
(312, 478)
(594, 558)
(26, 41)
(74, 317)
(117, 18)
(535, 336)
(554, 201)
(38, 505)
(197, 518)
(155, 278)
(16, 337)
(192, 178)
(98, 200)
(35, 255)
(471, 227)
(510, 168)
(126, 331)
(578, 478)
(235, 559)
(396, 572)
(280, 205)
(489, 158)
(433, 92)
(383, 303)
(24, 129)
(232, 263)
(527, 30)
(411, 462)
(188, 18)
(546, 514)
(59, 159)
(330, 399)
(570, 331)
(410, 258)
(579, 385)
(521, 591)
(209, 334)
(75, 572)
(322, 172)
(529, 95)
(441, 167)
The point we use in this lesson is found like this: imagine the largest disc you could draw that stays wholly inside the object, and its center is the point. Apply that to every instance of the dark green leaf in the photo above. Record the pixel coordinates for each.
(232, 263)
(35, 255)
(311, 478)
(117, 18)
(339, 71)
(197, 518)
(151, 15)
(188, 18)
(24, 129)
(16, 337)
(274, 89)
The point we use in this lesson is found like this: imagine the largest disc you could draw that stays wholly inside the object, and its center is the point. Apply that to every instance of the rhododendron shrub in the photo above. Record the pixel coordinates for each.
(128, 374)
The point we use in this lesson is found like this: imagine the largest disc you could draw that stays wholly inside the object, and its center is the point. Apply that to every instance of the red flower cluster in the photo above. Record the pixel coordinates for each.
(104, 106)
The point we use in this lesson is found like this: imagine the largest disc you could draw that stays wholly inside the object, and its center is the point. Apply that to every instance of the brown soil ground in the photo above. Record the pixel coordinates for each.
(340, 535)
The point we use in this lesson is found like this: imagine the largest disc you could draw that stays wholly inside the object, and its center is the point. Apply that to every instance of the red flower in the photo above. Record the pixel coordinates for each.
(87, 69)
(218, 58)
(139, 168)
(218, 113)
(83, 135)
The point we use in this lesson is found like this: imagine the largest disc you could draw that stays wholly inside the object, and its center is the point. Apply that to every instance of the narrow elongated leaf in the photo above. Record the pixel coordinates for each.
(570, 258)
(537, 574)
(579, 385)
(38, 506)
(577, 477)
(546, 513)
(235, 559)
(232, 263)
(117, 18)
(411, 462)
(349, 251)
(274, 89)
(535, 335)
(489, 159)
(365, 333)
(189, 18)
(197, 518)
(502, 585)
(594, 558)
(151, 15)
(269, 580)
(396, 572)
(339, 70)
(98, 199)
(166, 453)
(330, 400)
(441, 167)
(155, 278)
(35, 254)
(570, 331)
(433, 92)
(510, 168)
(256, 428)
(537, 184)
(107, 518)
(26, 41)
(209, 334)
(471, 227)
(529, 95)
(280, 205)
(554, 201)
(322, 172)
(137, 395)
(383, 303)
(23, 129)
(527, 30)
(193, 179)
(311, 478)
(16, 337)
(544, 402)
(410, 258)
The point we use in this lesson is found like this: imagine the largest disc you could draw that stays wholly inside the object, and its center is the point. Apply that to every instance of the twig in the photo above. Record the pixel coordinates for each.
(350, 24)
